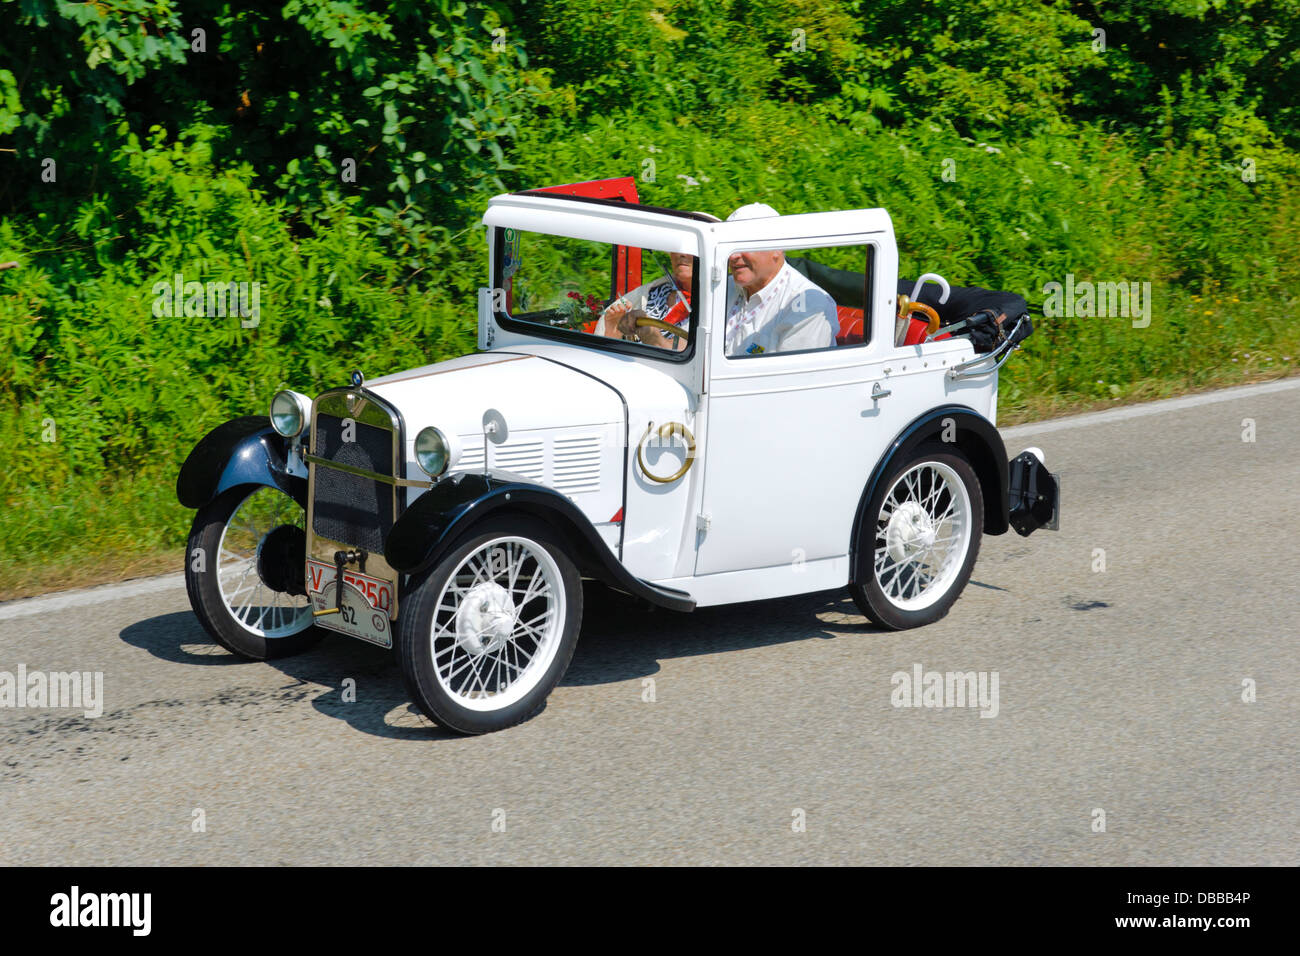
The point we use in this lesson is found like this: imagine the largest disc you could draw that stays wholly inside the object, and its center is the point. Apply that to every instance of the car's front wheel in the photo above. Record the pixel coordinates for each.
(922, 531)
(244, 571)
(489, 633)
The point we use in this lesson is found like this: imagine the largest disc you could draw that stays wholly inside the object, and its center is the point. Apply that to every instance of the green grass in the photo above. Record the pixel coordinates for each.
(82, 531)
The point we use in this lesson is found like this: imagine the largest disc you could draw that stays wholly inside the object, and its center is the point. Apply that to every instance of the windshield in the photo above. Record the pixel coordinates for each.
(596, 293)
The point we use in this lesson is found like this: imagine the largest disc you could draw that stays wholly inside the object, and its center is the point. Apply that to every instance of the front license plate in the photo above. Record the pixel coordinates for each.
(366, 603)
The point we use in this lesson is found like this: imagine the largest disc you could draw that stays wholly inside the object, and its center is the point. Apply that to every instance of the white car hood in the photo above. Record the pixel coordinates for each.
(533, 387)
(530, 393)
(643, 383)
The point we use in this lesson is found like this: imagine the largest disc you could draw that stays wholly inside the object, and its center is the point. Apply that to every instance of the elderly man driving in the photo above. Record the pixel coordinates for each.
(770, 306)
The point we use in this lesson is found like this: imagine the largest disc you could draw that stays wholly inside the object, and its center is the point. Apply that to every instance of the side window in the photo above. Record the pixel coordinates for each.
(799, 300)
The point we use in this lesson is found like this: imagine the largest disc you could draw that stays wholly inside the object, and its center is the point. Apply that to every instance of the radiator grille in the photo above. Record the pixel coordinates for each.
(350, 508)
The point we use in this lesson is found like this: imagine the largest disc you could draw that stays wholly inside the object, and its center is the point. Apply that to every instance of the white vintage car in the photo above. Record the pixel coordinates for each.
(614, 425)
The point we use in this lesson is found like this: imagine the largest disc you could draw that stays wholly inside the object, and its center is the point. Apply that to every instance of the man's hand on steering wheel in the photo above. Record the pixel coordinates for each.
(637, 326)
(628, 326)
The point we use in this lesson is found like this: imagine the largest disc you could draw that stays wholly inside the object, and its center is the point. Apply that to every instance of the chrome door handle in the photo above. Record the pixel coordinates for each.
(877, 393)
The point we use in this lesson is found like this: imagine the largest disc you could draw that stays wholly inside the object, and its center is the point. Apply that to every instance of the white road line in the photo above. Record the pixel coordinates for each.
(81, 598)
(85, 596)
(1150, 408)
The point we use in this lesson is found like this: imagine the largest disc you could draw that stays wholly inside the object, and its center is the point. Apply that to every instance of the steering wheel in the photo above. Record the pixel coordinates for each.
(669, 327)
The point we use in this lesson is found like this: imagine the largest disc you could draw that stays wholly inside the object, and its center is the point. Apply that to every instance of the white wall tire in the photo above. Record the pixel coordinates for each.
(922, 533)
(237, 589)
(488, 634)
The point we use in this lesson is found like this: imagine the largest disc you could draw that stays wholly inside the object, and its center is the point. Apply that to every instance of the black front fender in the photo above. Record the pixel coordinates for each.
(427, 530)
(242, 451)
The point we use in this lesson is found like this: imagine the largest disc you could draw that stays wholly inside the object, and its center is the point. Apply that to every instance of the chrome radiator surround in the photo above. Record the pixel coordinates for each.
(368, 411)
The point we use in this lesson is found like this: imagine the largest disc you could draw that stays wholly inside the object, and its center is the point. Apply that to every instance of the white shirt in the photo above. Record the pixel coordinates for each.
(786, 315)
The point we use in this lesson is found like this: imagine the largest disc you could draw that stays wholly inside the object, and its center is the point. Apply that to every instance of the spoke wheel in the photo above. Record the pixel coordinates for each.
(244, 573)
(923, 538)
(922, 533)
(490, 632)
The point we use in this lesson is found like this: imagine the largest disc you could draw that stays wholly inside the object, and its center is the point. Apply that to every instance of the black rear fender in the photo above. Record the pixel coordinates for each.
(967, 431)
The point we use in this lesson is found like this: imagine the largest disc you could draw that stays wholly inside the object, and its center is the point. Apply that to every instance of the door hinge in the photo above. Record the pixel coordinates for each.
(702, 522)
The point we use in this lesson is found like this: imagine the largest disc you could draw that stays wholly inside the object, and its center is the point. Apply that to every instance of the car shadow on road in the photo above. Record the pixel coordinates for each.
(622, 639)
(625, 639)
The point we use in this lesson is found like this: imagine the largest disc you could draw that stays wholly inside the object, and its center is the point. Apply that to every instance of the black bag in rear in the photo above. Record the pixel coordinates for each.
(980, 309)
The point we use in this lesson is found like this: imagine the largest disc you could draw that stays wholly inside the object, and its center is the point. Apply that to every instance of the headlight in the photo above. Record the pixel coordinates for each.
(434, 452)
(289, 412)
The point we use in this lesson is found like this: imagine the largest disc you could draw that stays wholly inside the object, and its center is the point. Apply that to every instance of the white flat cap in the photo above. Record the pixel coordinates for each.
(755, 210)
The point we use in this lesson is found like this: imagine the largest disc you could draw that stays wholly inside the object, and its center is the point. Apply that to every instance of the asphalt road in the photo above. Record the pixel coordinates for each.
(1120, 690)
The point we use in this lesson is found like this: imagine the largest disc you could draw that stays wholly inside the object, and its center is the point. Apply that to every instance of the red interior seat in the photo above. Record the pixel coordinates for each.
(850, 326)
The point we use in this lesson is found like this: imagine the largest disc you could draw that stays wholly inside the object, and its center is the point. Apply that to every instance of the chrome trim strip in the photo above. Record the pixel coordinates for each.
(413, 375)
(363, 473)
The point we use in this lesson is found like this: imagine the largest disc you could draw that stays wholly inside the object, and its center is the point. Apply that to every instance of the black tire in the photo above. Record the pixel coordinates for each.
(551, 655)
(205, 590)
(883, 609)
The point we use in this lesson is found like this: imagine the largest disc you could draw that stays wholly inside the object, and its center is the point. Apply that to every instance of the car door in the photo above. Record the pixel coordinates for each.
(793, 437)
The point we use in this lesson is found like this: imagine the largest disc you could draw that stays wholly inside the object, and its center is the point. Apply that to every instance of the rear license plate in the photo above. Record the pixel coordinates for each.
(366, 603)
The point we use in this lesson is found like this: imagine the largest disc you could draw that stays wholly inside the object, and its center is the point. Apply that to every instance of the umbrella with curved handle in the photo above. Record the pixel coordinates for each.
(931, 277)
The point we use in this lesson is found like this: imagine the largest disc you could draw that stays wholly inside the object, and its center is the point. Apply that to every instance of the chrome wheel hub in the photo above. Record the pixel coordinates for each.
(910, 532)
(486, 618)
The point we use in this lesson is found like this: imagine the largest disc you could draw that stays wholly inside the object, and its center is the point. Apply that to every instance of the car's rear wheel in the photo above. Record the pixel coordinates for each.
(922, 532)
(489, 633)
(244, 571)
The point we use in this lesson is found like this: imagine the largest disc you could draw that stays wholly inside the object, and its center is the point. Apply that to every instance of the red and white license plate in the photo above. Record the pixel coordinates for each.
(367, 602)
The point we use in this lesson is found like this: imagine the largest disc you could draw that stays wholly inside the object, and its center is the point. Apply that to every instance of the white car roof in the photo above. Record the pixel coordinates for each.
(648, 227)
(612, 222)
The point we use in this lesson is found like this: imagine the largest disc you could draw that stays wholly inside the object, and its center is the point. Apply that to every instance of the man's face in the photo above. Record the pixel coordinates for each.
(753, 270)
(683, 268)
